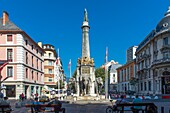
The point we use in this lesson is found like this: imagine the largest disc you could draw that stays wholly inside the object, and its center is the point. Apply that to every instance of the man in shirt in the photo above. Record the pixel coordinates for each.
(136, 109)
(59, 105)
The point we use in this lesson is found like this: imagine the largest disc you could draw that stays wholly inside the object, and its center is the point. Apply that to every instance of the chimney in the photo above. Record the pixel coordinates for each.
(5, 18)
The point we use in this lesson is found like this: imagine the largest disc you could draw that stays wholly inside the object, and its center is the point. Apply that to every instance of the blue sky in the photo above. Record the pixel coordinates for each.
(116, 24)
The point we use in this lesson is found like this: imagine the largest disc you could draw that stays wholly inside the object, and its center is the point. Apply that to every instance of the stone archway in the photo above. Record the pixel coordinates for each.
(166, 82)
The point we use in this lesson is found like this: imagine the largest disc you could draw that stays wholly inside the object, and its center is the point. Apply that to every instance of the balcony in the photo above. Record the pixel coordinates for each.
(165, 47)
(160, 61)
(49, 58)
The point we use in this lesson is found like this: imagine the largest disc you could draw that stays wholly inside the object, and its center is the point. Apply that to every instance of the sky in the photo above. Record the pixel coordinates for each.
(116, 24)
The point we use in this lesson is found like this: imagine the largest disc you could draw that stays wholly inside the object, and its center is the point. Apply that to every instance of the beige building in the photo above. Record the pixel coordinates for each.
(53, 71)
(153, 60)
(49, 61)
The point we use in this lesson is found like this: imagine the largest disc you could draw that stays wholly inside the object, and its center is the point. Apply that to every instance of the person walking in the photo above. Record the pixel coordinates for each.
(120, 101)
(136, 109)
(59, 105)
(5, 102)
(37, 108)
(22, 96)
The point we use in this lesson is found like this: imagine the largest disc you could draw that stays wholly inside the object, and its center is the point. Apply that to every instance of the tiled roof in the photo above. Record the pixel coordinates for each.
(8, 26)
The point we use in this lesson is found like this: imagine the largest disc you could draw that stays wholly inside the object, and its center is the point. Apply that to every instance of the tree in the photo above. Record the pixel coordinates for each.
(100, 72)
(74, 74)
(133, 81)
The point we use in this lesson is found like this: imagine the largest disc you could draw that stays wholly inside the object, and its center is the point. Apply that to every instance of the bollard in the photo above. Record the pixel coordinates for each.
(162, 109)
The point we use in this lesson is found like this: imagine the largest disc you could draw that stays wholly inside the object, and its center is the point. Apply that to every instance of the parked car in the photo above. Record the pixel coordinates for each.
(44, 98)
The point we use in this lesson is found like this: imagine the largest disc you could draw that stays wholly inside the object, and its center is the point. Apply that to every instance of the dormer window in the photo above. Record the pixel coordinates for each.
(165, 41)
(26, 42)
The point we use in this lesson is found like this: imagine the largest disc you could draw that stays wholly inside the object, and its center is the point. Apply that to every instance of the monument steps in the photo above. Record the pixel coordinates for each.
(86, 98)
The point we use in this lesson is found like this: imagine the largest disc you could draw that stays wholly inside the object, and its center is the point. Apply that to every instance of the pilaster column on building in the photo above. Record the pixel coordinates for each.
(20, 88)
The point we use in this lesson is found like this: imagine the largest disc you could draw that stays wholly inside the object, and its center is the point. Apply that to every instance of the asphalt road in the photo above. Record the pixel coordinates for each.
(91, 106)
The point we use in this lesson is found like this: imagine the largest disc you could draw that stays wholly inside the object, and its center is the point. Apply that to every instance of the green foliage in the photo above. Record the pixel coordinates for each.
(74, 74)
(100, 72)
(133, 81)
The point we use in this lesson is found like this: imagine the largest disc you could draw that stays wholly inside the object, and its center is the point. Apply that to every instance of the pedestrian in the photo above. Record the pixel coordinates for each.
(59, 105)
(36, 102)
(5, 102)
(136, 109)
(120, 101)
(22, 96)
(36, 95)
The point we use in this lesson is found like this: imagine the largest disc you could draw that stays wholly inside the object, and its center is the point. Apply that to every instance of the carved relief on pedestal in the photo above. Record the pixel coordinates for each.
(86, 60)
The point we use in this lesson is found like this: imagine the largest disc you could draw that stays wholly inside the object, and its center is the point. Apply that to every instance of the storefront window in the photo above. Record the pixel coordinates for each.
(10, 90)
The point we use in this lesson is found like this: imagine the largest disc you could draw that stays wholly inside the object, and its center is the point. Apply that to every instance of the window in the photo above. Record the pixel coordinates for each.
(9, 38)
(37, 51)
(155, 45)
(50, 71)
(113, 75)
(32, 75)
(165, 55)
(32, 47)
(145, 86)
(141, 86)
(32, 61)
(9, 54)
(26, 42)
(37, 63)
(49, 55)
(26, 71)
(50, 79)
(26, 57)
(9, 71)
(165, 41)
(50, 63)
(37, 76)
(41, 66)
(149, 85)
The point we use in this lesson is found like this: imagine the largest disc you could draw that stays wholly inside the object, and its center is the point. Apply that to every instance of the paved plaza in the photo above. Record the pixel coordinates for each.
(90, 106)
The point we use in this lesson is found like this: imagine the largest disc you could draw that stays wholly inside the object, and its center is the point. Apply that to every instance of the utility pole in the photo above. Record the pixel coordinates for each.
(106, 82)
(106, 74)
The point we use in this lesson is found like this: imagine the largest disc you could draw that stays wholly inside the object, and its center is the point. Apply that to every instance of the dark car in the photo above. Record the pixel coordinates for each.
(44, 98)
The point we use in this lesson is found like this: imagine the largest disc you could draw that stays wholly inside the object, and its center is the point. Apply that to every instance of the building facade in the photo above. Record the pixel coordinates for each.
(50, 57)
(26, 66)
(125, 73)
(113, 79)
(153, 59)
(130, 54)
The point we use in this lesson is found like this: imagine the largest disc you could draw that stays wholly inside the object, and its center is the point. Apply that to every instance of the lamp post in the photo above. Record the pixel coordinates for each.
(106, 83)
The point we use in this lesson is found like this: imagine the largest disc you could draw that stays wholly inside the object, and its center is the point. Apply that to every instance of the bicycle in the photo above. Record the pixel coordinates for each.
(111, 109)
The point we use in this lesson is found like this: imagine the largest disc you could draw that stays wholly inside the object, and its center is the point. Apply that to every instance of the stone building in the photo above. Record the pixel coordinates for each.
(153, 59)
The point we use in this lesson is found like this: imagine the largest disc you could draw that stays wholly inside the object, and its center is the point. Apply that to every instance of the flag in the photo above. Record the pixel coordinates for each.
(3, 65)
(56, 61)
(69, 64)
